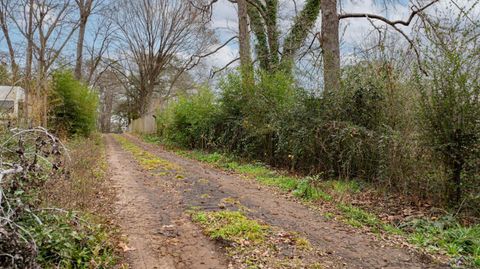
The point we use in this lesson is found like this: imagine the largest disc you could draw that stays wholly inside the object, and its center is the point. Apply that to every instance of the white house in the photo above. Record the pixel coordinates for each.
(10, 99)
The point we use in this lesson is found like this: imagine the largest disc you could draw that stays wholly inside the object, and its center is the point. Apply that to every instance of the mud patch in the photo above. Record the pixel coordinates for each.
(151, 215)
(340, 245)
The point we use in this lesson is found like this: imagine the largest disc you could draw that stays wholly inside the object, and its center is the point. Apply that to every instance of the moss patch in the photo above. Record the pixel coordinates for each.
(231, 226)
(147, 160)
(254, 244)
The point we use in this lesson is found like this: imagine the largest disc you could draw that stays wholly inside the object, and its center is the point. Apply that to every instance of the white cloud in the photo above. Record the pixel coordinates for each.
(356, 30)
(224, 16)
(222, 57)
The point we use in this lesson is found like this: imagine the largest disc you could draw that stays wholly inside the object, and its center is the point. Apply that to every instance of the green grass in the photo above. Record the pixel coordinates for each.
(152, 139)
(358, 217)
(232, 226)
(456, 241)
(254, 244)
(258, 171)
(306, 190)
(147, 160)
(345, 187)
(448, 236)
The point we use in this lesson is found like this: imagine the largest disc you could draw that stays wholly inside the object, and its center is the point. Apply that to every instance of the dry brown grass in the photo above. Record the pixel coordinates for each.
(85, 185)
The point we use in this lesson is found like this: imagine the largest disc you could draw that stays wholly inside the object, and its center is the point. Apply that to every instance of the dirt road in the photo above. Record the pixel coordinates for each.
(152, 214)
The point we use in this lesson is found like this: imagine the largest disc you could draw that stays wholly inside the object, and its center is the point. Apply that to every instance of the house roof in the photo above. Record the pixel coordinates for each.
(12, 93)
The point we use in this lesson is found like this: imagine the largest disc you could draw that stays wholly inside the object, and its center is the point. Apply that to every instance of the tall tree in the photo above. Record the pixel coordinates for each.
(50, 26)
(244, 43)
(5, 11)
(85, 8)
(330, 46)
(154, 33)
(263, 16)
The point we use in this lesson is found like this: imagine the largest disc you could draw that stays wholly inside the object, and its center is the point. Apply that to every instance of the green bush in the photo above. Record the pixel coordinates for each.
(73, 105)
(450, 110)
(190, 121)
(250, 117)
(367, 131)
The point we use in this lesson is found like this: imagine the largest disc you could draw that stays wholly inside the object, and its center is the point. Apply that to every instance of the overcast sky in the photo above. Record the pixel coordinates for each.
(355, 31)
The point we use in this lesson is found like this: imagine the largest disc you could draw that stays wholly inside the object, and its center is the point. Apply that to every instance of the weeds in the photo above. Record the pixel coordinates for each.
(147, 160)
(457, 241)
(65, 240)
(254, 244)
(36, 232)
(358, 217)
(447, 235)
(231, 226)
(308, 190)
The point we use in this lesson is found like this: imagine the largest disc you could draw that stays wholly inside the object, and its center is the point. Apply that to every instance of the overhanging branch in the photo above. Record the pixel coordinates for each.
(387, 21)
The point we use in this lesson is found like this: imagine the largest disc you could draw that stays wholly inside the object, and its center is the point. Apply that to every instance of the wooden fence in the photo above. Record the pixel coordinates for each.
(143, 125)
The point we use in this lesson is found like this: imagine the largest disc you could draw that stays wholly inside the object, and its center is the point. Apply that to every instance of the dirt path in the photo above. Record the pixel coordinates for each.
(151, 215)
(149, 203)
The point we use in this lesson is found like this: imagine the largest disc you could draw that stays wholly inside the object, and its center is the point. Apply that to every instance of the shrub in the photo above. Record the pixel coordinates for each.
(190, 122)
(367, 131)
(362, 98)
(73, 105)
(450, 110)
(251, 117)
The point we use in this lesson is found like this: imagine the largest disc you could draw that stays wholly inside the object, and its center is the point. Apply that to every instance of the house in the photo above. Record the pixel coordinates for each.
(11, 101)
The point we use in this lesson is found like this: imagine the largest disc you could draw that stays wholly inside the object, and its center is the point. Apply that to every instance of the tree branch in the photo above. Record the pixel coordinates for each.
(387, 21)
(223, 68)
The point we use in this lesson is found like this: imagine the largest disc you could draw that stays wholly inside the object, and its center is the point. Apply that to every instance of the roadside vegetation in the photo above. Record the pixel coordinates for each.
(392, 149)
(379, 128)
(256, 245)
(358, 204)
(147, 160)
(54, 196)
(53, 209)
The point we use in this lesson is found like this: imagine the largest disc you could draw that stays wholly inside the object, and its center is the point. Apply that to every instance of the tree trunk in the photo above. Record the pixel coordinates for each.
(81, 38)
(244, 44)
(29, 62)
(272, 32)
(330, 46)
(299, 32)
(107, 110)
(456, 182)
(11, 51)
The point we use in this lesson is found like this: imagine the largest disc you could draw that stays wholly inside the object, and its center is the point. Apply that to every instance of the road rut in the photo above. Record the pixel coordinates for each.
(147, 203)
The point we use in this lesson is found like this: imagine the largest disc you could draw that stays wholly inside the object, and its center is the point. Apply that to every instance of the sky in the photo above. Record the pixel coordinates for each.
(353, 31)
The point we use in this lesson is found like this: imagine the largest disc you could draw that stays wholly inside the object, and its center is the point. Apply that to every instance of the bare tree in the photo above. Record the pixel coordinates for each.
(101, 39)
(330, 41)
(85, 8)
(109, 87)
(152, 34)
(29, 31)
(263, 16)
(5, 11)
(55, 24)
(51, 24)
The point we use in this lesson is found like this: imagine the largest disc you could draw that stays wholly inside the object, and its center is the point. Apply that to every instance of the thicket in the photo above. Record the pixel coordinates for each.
(73, 106)
(374, 129)
(408, 133)
(34, 233)
(450, 118)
